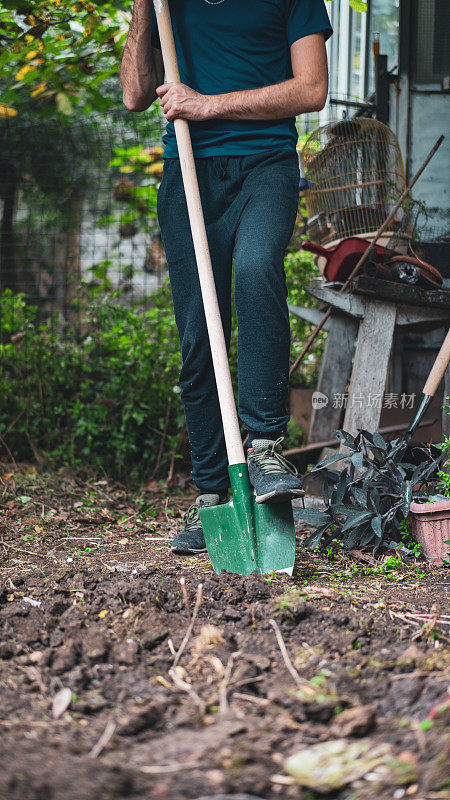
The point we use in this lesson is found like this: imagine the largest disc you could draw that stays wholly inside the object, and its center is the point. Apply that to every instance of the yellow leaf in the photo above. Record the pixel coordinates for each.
(22, 72)
(126, 169)
(123, 541)
(32, 54)
(10, 598)
(7, 111)
(41, 87)
(103, 613)
(38, 529)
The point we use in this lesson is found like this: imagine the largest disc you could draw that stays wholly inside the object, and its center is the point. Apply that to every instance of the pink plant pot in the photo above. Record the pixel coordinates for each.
(431, 527)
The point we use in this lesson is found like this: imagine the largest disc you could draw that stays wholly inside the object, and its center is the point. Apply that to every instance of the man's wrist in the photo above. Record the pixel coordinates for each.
(214, 106)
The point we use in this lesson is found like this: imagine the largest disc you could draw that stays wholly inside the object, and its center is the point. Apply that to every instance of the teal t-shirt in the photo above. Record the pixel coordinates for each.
(231, 45)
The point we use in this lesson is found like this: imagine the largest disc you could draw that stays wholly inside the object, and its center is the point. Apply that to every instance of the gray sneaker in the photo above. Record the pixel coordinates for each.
(273, 478)
(191, 540)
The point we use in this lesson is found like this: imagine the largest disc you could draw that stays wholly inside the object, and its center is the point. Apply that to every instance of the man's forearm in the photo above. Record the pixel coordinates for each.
(138, 73)
(282, 100)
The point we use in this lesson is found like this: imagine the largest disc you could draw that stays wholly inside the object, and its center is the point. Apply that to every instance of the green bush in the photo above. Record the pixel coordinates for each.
(104, 401)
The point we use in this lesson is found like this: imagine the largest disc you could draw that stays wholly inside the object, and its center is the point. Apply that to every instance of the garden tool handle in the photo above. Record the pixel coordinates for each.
(230, 422)
(312, 247)
(439, 367)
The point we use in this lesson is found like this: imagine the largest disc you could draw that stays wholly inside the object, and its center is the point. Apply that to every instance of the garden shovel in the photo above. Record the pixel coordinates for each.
(241, 536)
(437, 373)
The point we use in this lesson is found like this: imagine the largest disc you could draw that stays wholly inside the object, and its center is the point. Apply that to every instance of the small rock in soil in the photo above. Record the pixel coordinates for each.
(354, 722)
(126, 653)
(95, 646)
(61, 702)
(231, 613)
(65, 658)
(261, 662)
(90, 703)
(154, 636)
(57, 607)
(405, 693)
(410, 657)
(36, 656)
(140, 719)
(78, 678)
(8, 650)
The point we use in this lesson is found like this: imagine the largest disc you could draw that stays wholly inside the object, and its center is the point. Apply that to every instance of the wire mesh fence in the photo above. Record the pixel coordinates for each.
(78, 209)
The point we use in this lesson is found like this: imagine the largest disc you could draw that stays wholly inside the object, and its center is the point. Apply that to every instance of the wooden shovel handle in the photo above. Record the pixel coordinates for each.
(439, 367)
(230, 422)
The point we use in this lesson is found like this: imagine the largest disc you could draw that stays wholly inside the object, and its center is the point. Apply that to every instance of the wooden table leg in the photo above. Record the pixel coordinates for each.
(334, 374)
(368, 381)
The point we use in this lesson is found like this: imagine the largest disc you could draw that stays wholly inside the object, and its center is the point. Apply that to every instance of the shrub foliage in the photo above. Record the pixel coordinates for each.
(368, 500)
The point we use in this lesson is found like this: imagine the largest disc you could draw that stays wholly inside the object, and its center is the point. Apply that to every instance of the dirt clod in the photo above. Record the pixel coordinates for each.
(354, 722)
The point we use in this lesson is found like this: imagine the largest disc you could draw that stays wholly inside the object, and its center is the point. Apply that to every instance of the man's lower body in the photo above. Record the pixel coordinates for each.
(250, 206)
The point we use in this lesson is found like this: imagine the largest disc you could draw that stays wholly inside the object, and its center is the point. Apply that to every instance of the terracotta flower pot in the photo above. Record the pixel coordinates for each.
(431, 527)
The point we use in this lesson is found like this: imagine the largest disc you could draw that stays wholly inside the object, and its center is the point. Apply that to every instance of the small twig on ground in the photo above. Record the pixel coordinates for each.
(187, 636)
(429, 626)
(111, 569)
(9, 452)
(20, 550)
(184, 686)
(128, 518)
(185, 594)
(289, 665)
(178, 442)
(165, 510)
(104, 740)
(223, 698)
(171, 647)
(163, 441)
(251, 698)
(167, 769)
(248, 681)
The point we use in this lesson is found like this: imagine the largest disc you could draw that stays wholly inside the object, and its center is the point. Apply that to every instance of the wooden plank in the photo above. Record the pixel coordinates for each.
(388, 429)
(334, 374)
(347, 303)
(312, 315)
(356, 306)
(397, 292)
(370, 366)
(413, 315)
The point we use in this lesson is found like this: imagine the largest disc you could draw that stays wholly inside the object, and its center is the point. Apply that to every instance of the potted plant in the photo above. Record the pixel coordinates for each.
(369, 500)
(430, 519)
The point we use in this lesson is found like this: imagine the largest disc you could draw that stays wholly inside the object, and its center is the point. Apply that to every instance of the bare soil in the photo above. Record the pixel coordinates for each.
(91, 601)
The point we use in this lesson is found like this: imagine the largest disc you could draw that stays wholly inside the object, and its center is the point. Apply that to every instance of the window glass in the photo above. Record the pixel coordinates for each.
(431, 40)
(384, 21)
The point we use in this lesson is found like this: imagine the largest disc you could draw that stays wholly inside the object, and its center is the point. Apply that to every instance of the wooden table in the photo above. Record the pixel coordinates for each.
(373, 318)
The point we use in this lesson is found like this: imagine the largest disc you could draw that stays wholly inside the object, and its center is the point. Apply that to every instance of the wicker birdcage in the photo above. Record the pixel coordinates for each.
(357, 173)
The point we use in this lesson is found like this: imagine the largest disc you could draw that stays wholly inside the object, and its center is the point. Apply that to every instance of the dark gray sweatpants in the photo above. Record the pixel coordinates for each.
(250, 205)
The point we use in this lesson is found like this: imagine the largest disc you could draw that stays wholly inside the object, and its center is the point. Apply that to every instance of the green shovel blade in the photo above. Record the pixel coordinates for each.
(243, 536)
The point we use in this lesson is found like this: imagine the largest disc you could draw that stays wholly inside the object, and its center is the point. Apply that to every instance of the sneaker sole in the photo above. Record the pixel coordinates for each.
(178, 551)
(279, 497)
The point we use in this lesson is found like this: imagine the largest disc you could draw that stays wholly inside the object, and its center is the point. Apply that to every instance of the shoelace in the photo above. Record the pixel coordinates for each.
(270, 461)
(192, 518)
